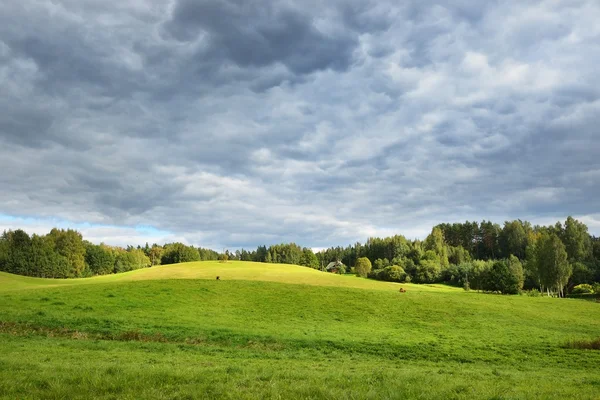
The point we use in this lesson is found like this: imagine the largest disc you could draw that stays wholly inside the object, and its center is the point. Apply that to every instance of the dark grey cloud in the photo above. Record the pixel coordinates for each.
(229, 124)
(251, 35)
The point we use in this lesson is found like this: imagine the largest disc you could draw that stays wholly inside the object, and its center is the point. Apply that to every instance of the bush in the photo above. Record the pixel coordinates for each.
(393, 273)
(584, 288)
(533, 293)
(374, 274)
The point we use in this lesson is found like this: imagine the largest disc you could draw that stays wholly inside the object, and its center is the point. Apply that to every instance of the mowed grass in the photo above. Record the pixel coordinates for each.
(280, 331)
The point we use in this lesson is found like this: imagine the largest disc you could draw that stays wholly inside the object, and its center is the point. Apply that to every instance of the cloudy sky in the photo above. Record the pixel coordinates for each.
(228, 123)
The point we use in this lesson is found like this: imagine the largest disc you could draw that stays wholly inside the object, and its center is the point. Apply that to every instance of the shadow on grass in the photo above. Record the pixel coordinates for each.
(593, 344)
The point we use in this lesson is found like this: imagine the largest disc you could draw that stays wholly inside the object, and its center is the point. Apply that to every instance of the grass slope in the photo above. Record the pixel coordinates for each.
(233, 270)
(269, 331)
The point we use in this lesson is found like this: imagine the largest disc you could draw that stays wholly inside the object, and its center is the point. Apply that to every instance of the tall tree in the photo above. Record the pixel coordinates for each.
(553, 267)
(577, 240)
(99, 258)
(489, 244)
(309, 259)
(19, 253)
(69, 244)
(513, 239)
(4, 251)
(435, 242)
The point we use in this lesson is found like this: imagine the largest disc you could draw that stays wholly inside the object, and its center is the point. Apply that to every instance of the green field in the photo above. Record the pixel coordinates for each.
(281, 331)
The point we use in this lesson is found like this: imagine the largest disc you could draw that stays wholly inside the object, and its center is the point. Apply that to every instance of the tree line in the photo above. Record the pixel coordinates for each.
(64, 254)
(482, 256)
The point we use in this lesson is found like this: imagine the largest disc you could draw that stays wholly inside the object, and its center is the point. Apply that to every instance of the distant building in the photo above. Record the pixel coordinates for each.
(335, 266)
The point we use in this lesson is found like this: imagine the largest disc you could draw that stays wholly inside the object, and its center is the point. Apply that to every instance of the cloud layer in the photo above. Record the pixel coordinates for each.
(226, 124)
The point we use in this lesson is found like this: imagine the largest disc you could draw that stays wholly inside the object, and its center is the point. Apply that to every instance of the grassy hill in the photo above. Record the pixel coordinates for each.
(281, 331)
(232, 270)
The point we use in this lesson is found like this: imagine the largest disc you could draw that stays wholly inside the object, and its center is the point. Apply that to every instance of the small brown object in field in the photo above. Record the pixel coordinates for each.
(218, 278)
(402, 290)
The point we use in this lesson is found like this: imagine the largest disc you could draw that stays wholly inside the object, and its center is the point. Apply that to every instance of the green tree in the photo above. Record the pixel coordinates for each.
(130, 260)
(47, 261)
(99, 258)
(69, 244)
(505, 276)
(175, 253)
(393, 273)
(458, 255)
(577, 241)
(4, 251)
(19, 253)
(478, 273)
(582, 274)
(428, 271)
(363, 267)
(513, 239)
(435, 242)
(309, 259)
(552, 263)
(155, 254)
(224, 257)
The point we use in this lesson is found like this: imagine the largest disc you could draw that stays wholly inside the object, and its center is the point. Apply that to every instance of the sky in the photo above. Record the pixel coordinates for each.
(229, 124)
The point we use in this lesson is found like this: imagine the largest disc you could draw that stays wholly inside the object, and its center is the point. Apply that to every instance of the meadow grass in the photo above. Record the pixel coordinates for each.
(232, 270)
(280, 331)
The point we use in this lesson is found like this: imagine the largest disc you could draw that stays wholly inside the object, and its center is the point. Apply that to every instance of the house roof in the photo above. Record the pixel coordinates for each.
(334, 264)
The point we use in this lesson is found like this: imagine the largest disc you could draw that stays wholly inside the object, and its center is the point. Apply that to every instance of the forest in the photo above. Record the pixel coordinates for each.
(560, 259)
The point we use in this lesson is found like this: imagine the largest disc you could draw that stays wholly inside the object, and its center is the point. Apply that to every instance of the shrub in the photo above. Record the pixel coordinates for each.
(584, 288)
(394, 273)
(533, 293)
(374, 274)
